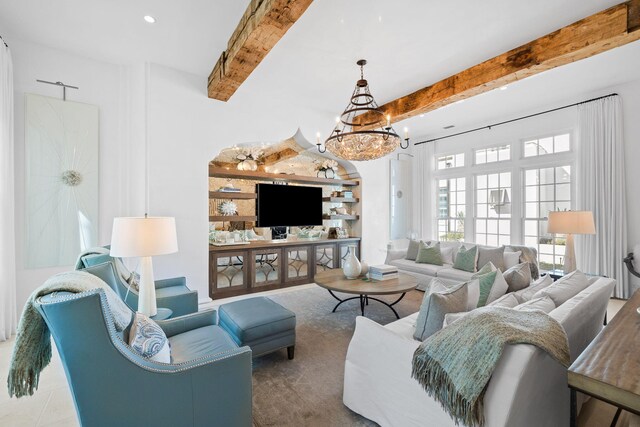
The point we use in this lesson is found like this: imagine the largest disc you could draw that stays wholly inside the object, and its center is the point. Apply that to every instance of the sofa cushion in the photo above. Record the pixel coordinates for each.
(200, 342)
(429, 254)
(453, 274)
(518, 277)
(447, 254)
(544, 304)
(412, 250)
(414, 267)
(527, 293)
(439, 301)
(404, 327)
(148, 339)
(492, 286)
(529, 255)
(565, 288)
(466, 259)
(511, 259)
(492, 255)
(507, 300)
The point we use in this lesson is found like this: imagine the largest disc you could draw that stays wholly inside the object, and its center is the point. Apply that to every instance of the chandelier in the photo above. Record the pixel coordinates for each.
(357, 140)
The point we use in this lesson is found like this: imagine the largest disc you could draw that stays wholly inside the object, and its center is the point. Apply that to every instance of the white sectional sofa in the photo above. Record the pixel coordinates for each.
(424, 273)
(528, 387)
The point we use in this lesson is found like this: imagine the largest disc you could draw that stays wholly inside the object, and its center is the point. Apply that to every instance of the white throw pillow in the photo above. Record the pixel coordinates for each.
(526, 294)
(511, 259)
(447, 255)
(449, 318)
(440, 300)
(473, 294)
(508, 301)
(149, 340)
(566, 288)
(544, 304)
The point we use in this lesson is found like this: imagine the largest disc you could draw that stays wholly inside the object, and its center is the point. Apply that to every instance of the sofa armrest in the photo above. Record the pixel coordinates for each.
(181, 324)
(393, 254)
(173, 281)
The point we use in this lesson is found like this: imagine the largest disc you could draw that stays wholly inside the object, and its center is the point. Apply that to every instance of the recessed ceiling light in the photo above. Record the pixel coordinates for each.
(448, 127)
(505, 87)
(421, 115)
(149, 19)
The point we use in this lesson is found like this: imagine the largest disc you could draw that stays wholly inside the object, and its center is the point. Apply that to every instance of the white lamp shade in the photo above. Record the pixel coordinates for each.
(140, 237)
(571, 222)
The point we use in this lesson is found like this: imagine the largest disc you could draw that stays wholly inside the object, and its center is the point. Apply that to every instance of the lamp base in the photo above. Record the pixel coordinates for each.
(569, 255)
(147, 294)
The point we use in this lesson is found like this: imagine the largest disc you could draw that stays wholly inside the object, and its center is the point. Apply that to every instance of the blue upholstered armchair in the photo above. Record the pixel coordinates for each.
(207, 383)
(170, 293)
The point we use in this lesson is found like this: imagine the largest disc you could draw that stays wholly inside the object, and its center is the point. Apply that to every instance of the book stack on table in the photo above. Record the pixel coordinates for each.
(383, 272)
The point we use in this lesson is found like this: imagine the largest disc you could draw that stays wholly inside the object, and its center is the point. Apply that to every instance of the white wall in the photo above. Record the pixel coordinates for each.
(101, 84)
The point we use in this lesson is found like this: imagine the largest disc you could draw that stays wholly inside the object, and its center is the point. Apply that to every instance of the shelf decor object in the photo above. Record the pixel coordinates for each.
(144, 237)
(352, 140)
(570, 223)
(327, 169)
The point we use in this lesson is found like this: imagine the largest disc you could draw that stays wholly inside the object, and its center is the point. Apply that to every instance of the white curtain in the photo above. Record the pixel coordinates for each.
(601, 189)
(422, 189)
(7, 226)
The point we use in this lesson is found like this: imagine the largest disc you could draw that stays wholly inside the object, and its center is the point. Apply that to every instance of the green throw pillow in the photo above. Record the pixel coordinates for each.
(488, 268)
(429, 254)
(466, 259)
(491, 287)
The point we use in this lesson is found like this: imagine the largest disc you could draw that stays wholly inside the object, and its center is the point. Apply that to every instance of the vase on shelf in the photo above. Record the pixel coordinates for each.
(326, 173)
(351, 266)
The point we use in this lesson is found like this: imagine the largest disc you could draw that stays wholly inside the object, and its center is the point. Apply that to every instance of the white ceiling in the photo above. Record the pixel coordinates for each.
(409, 44)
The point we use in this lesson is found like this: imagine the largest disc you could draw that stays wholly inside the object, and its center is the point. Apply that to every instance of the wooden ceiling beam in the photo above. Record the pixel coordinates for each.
(598, 33)
(261, 27)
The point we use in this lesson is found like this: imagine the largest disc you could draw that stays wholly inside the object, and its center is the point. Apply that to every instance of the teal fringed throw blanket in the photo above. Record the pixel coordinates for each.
(455, 364)
(32, 350)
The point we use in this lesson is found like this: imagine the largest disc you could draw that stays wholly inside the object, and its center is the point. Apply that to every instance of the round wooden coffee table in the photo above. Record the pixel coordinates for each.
(334, 280)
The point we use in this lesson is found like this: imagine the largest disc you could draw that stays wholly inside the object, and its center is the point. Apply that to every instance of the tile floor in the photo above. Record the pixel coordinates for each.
(52, 404)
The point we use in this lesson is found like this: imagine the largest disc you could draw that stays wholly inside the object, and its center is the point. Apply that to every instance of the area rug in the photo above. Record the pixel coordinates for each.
(307, 391)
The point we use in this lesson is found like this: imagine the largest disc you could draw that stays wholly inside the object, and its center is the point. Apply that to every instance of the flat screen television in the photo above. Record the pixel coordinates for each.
(288, 205)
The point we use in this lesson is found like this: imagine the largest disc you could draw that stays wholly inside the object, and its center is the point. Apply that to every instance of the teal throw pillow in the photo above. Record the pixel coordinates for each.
(492, 286)
(466, 259)
(429, 254)
(487, 268)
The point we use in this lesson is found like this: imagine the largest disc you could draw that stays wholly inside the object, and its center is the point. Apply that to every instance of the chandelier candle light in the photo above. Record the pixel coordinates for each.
(370, 140)
(144, 237)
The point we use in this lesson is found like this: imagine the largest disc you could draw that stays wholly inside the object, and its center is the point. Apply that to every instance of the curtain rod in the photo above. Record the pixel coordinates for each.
(515, 120)
(5, 43)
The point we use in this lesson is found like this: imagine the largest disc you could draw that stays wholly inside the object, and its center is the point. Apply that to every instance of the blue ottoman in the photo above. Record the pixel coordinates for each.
(261, 324)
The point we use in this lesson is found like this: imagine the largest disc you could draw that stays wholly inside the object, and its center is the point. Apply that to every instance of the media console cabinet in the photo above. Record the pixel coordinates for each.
(272, 264)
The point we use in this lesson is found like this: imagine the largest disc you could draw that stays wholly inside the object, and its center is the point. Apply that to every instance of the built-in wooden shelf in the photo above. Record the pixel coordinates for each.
(231, 195)
(257, 175)
(340, 199)
(348, 217)
(232, 218)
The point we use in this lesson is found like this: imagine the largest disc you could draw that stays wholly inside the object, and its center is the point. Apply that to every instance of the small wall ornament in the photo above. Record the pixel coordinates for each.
(248, 158)
(327, 168)
(228, 208)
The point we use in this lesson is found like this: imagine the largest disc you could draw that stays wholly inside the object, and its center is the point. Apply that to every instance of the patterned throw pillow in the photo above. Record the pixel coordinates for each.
(441, 299)
(518, 277)
(429, 254)
(466, 259)
(149, 340)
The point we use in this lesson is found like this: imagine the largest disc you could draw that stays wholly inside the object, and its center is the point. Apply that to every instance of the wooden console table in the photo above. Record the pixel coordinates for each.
(272, 264)
(609, 368)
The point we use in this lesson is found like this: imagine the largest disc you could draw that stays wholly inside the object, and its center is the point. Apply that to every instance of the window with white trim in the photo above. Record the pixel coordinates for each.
(492, 154)
(450, 161)
(545, 190)
(547, 145)
(451, 208)
(493, 209)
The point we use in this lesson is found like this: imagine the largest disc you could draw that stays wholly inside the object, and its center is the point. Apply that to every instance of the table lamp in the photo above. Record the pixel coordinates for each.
(570, 223)
(144, 237)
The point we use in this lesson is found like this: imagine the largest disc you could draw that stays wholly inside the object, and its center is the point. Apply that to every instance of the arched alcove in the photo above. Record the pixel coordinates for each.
(245, 258)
